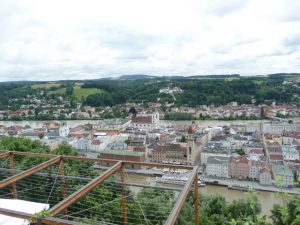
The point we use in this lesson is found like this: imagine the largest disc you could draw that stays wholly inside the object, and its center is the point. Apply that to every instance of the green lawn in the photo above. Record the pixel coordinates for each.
(80, 93)
(60, 91)
(45, 85)
(292, 77)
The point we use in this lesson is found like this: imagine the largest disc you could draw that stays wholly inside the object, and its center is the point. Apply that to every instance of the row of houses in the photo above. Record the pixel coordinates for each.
(241, 168)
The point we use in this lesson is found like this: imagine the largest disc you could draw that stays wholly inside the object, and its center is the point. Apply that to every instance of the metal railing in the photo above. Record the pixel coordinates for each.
(117, 166)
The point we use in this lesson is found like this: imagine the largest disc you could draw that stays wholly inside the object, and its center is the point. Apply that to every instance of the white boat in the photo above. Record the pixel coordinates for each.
(176, 180)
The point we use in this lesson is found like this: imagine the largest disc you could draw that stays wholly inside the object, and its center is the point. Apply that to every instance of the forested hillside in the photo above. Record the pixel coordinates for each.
(195, 91)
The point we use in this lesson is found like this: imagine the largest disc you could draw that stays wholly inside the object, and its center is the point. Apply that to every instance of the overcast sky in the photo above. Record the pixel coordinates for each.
(60, 39)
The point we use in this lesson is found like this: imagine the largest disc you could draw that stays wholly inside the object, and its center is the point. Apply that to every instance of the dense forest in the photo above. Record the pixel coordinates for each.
(196, 91)
(148, 206)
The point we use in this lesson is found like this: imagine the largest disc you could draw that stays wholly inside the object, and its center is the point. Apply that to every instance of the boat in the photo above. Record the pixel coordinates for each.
(238, 187)
(167, 179)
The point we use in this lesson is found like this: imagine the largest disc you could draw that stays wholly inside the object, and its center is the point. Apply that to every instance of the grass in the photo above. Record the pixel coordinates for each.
(258, 81)
(80, 93)
(60, 91)
(232, 78)
(292, 77)
(45, 85)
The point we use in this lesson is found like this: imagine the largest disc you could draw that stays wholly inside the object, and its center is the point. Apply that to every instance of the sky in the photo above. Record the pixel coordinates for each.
(90, 39)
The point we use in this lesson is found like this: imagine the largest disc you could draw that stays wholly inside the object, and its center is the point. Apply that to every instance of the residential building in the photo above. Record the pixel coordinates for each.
(170, 153)
(265, 176)
(283, 173)
(272, 138)
(123, 155)
(255, 168)
(239, 168)
(215, 148)
(273, 127)
(217, 166)
(97, 145)
(115, 124)
(290, 138)
(273, 149)
(82, 144)
(290, 153)
(64, 130)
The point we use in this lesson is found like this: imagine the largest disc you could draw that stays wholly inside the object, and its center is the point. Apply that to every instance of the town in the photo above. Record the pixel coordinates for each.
(264, 154)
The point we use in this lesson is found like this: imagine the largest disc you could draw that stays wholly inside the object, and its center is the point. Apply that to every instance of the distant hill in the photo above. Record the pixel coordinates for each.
(216, 76)
(136, 77)
(283, 74)
(174, 77)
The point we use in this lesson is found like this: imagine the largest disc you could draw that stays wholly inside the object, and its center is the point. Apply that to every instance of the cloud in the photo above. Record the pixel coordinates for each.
(53, 40)
(224, 8)
(292, 40)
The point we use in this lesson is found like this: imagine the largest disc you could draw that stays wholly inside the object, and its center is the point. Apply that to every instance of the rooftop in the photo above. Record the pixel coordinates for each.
(122, 152)
(288, 148)
(281, 170)
(217, 160)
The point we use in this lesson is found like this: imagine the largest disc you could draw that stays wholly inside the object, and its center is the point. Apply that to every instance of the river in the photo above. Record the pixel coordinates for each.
(74, 123)
(266, 199)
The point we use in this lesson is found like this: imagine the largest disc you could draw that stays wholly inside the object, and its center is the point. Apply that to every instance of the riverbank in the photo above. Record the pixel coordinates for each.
(265, 198)
(243, 185)
(229, 183)
(74, 123)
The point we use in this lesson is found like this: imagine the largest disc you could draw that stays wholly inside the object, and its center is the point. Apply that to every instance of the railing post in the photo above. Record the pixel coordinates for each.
(63, 183)
(12, 171)
(196, 200)
(124, 212)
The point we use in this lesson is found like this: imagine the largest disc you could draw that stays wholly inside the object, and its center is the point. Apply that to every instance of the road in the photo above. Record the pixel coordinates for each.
(255, 185)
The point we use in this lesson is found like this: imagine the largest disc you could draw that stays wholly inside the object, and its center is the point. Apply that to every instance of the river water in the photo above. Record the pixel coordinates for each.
(266, 199)
(74, 123)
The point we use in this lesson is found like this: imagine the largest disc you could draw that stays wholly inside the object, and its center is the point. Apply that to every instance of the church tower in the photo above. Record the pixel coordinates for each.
(190, 145)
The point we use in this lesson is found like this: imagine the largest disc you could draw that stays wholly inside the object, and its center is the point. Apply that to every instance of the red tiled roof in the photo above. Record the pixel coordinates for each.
(96, 142)
(276, 157)
(265, 169)
(237, 160)
(142, 119)
(78, 135)
(109, 132)
(170, 147)
(256, 151)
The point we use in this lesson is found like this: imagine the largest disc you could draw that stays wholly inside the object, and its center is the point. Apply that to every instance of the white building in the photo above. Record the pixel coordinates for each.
(212, 148)
(255, 168)
(290, 138)
(97, 145)
(169, 90)
(105, 137)
(146, 121)
(276, 128)
(217, 166)
(64, 130)
(283, 173)
(116, 124)
(265, 177)
(289, 152)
